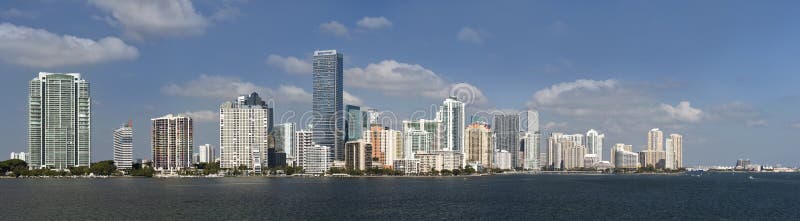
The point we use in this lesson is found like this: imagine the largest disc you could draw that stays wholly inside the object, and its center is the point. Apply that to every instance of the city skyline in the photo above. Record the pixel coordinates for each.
(709, 89)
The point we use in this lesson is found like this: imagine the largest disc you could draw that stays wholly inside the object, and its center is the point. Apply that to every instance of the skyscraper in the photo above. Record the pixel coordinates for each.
(655, 139)
(326, 104)
(654, 154)
(172, 142)
(244, 129)
(285, 140)
(424, 126)
(207, 154)
(385, 143)
(533, 141)
(355, 125)
(302, 139)
(506, 133)
(594, 143)
(478, 144)
(676, 150)
(123, 146)
(451, 132)
(59, 121)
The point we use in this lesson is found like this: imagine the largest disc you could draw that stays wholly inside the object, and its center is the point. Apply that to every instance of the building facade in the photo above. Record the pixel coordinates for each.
(123, 147)
(354, 123)
(407, 166)
(430, 162)
(172, 142)
(532, 141)
(326, 104)
(244, 129)
(285, 140)
(451, 126)
(59, 121)
(478, 144)
(385, 144)
(594, 143)
(506, 136)
(314, 159)
(303, 139)
(358, 155)
(207, 154)
(676, 149)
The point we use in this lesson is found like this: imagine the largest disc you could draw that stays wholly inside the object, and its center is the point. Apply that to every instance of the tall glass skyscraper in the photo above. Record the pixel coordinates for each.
(355, 124)
(451, 132)
(59, 121)
(506, 132)
(533, 141)
(328, 121)
(123, 146)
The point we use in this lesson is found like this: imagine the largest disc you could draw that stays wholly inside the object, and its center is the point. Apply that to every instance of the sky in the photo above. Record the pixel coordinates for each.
(723, 74)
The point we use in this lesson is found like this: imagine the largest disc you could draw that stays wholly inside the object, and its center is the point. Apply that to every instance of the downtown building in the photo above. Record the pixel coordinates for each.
(245, 126)
(594, 144)
(314, 159)
(619, 146)
(674, 151)
(532, 141)
(354, 124)
(358, 155)
(285, 140)
(421, 136)
(623, 158)
(506, 136)
(478, 143)
(565, 152)
(59, 121)
(172, 138)
(207, 154)
(654, 154)
(387, 145)
(326, 104)
(123, 147)
(451, 125)
(18, 156)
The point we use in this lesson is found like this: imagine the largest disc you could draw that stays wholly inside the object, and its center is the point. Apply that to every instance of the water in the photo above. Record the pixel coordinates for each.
(541, 197)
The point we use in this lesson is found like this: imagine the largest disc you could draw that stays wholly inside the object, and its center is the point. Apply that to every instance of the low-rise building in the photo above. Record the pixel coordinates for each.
(407, 166)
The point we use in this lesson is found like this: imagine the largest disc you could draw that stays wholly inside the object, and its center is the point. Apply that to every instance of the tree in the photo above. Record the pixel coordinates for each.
(16, 166)
(104, 168)
(469, 170)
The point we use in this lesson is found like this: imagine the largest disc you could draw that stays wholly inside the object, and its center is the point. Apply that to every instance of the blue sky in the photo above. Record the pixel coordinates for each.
(722, 73)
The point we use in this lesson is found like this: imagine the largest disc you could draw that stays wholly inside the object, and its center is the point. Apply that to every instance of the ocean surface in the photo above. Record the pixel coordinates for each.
(723, 196)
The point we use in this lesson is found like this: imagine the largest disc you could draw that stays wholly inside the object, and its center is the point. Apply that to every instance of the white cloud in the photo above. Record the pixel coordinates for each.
(40, 48)
(683, 112)
(471, 35)
(290, 64)
(203, 116)
(228, 88)
(334, 28)
(374, 22)
(352, 99)
(549, 95)
(400, 79)
(154, 18)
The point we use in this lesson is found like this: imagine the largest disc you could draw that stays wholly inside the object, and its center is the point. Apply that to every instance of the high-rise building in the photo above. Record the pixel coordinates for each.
(502, 160)
(314, 159)
(172, 142)
(207, 154)
(624, 158)
(655, 139)
(565, 151)
(355, 125)
(654, 153)
(358, 155)
(619, 146)
(284, 140)
(532, 141)
(451, 126)
(594, 143)
(677, 150)
(478, 144)
(371, 116)
(123, 146)
(59, 121)
(431, 127)
(385, 143)
(326, 104)
(303, 139)
(506, 133)
(417, 141)
(244, 129)
(275, 158)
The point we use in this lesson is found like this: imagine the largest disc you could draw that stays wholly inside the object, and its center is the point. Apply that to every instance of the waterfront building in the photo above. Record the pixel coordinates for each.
(506, 136)
(371, 116)
(326, 102)
(59, 121)
(565, 151)
(655, 139)
(594, 143)
(385, 143)
(314, 159)
(624, 158)
(358, 155)
(303, 139)
(172, 142)
(652, 158)
(427, 128)
(244, 129)
(19, 156)
(590, 160)
(478, 144)
(502, 160)
(417, 141)
(407, 166)
(676, 150)
(123, 146)
(573, 155)
(619, 146)
(275, 158)
(532, 141)
(354, 128)
(285, 140)
(207, 153)
(451, 126)
(451, 160)
(429, 162)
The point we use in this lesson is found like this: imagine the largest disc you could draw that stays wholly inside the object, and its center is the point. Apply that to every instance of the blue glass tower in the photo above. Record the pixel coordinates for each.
(354, 123)
(328, 121)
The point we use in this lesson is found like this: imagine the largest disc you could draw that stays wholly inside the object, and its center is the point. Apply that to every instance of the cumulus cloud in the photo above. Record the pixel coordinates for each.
(683, 112)
(471, 35)
(227, 88)
(289, 64)
(551, 94)
(334, 28)
(401, 79)
(374, 22)
(153, 18)
(352, 99)
(203, 116)
(39, 48)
